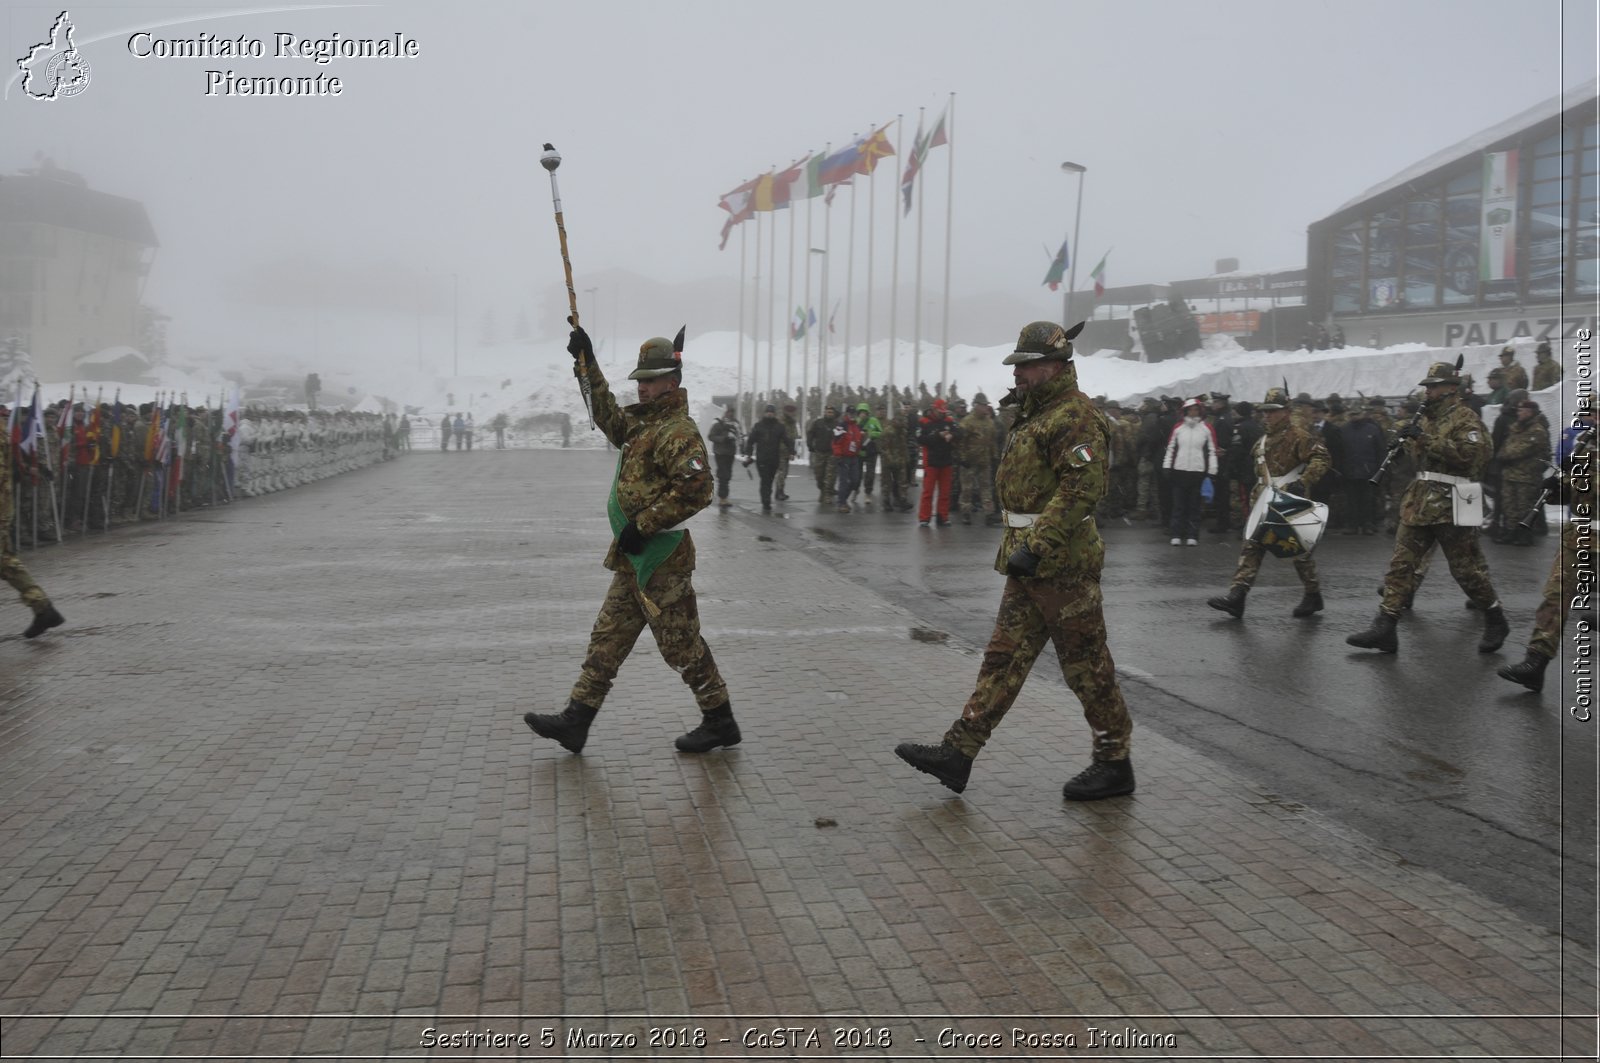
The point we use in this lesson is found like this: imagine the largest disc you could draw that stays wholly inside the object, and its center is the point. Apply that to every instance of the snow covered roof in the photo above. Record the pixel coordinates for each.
(108, 355)
(1482, 140)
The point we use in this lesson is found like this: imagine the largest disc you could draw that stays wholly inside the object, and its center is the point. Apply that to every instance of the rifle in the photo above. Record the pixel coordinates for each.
(1394, 448)
(1582, 442)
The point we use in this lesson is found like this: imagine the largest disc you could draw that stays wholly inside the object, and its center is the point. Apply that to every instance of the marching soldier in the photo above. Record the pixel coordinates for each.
(1052, 475)
(1573, 486)
(1443, 506)
(1285, 455)
(819, 442)
(45, 615)
(662, 480)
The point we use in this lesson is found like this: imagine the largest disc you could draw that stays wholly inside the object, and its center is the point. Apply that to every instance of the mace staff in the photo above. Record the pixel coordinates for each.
(550, 160)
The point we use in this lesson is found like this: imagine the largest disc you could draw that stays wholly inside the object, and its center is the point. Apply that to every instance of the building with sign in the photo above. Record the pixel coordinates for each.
(72, 268)
(1491, 240)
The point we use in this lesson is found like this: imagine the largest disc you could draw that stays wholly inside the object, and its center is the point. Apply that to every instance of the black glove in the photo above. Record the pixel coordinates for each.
(1554, 487)
(747, 460)
(631, 540)
(578, 344)
(1413, 430)
(1023, 563)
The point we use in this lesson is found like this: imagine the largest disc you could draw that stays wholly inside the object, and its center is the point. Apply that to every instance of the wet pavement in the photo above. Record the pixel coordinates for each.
(269, 794)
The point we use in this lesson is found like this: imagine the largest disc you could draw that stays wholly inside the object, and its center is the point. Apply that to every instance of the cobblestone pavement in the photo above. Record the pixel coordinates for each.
(268, 794)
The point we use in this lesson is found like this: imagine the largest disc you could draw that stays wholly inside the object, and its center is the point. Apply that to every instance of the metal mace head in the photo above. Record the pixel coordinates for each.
(551, 158)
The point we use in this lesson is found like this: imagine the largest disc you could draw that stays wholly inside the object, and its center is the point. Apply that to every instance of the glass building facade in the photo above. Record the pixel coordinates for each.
(1515, 224)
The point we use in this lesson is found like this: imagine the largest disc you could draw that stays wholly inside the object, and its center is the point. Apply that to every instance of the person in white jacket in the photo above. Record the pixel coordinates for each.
(1191, 457)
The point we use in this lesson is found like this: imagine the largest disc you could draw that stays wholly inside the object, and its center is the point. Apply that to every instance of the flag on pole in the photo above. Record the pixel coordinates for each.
(1099, 275)
(875, 147)
(28, 438)
(801, 322)
(1058, 268)
(740, 205)
(833, 315)
(842, 164)
(919, 153)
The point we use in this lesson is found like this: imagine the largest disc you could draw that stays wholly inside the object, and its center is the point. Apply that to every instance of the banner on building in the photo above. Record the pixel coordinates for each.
(1497, 258)
(1234, 323)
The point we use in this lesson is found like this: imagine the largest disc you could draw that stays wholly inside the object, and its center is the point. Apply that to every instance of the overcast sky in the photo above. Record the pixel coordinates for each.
(1209, 129)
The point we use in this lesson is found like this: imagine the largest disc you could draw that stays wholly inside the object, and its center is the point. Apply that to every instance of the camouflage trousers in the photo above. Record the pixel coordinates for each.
(894, 482)
(822, 469)
(677, 631)
(1516, 503)
(1067, 612)
(782, 476)
(1560, 589)
(1250, 566)
(1461, 551)
(973, 488)
(11, 570)
(1149, 488)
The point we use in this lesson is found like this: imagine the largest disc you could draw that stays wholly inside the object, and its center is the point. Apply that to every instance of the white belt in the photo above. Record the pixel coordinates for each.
(1020, 520)
(1445, 478)
(1289, 477)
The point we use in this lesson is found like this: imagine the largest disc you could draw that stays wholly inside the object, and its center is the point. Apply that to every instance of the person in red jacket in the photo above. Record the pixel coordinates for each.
(848, 439)
(937, 433)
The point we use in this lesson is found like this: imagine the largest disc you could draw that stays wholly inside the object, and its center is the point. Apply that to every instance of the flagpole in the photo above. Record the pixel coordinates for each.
(755, 321)
(788, 337)
(949, 228)
(772, 306)
(805, 337)
(849, 280)
(916, 308)
(738, 379)
(872, 215)
(894, 279)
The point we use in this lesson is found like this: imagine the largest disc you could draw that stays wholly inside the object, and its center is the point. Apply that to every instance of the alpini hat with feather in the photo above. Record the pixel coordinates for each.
(659, 356)
(1042, 341)
(1277, 399)
(1442, 373)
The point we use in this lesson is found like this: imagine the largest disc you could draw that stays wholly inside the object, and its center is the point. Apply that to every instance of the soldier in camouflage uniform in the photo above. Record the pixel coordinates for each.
(1573, 486)
(662, 480)
(782, 479)
(1285, 455)
(1524, 464)
(819, 442)
(1052, 475)
(896, 461)
(976, 447)
(45, 615)
(1546, 370)
(1451, 448)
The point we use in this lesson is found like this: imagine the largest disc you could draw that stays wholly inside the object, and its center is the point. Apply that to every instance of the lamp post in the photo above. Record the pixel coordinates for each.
(1072, 280)
(455, 322)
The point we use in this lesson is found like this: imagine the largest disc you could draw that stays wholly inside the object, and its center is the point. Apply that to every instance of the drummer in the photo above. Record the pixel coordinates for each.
(1288, 459)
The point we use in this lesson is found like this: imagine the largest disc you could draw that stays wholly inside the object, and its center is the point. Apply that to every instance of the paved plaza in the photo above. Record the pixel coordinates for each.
(269, 795)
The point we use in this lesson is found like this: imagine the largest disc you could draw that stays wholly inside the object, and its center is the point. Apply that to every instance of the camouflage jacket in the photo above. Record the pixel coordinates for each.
(892, 443)
(1546, 372)
(1525, 452)
(978, 440)
(1282, 448)
(1454, 442)
(1054, 465)
(5, 491)
(663, 479)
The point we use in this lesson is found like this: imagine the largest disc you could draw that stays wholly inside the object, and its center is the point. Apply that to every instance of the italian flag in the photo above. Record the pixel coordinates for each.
(1099, 275)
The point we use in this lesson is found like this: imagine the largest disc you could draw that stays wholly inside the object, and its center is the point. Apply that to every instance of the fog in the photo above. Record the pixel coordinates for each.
(407, 219)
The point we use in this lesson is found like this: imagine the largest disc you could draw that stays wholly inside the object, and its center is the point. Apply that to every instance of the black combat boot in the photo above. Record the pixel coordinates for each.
(1529, 672)
(570, 726)
(43, 621)
(717, 728)
(1103, 778)
(966, 517)
(1310, 603)
(944, 762)
(1380, 636)
(1495, 629)
(1231, 603)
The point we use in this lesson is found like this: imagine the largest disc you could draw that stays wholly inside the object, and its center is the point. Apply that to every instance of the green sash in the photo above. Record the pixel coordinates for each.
(656, 550)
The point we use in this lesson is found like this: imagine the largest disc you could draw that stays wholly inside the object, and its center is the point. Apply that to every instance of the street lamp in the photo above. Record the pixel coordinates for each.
(455, 321)
(1072, 280)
